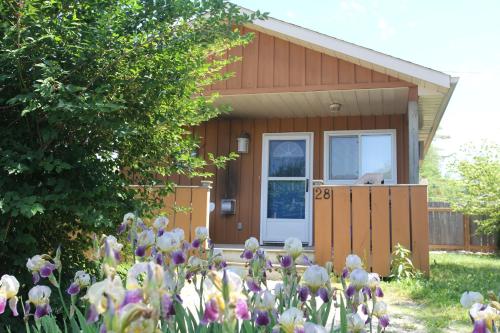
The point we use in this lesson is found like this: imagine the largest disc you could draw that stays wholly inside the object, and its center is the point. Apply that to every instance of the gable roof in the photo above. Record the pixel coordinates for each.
(435, 88)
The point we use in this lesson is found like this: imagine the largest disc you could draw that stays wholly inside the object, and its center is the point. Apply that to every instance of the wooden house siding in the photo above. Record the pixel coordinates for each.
(240, 180)
(270, 64)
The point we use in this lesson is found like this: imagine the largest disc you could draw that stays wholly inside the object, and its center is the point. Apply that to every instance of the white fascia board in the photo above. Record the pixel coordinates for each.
(353, 50)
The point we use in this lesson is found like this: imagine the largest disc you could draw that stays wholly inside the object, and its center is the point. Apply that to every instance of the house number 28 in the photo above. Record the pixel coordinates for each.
(322, 193)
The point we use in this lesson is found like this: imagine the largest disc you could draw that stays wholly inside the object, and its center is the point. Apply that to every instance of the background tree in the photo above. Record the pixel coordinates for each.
(478, 186)
(91, 88)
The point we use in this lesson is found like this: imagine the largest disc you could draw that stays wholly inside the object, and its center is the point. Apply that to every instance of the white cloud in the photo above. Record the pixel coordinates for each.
(386, 31)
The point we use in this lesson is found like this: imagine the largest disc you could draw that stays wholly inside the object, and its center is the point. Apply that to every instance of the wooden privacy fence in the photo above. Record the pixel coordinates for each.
(187, 208)
(450, 230)
(369, 220)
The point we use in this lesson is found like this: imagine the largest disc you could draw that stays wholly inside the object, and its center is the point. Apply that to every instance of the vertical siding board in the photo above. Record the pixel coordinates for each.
(300, 125)
(381, 243)
(340, 123)
(274, 125)
(250, 62)
(286, 125)
(368, 122)
(420, 228)
(346, 72)
(363, 75)
(341, 227)
(246, 190)
(183, 202)
(223, 133)
(313, 125)
(400, 216)
(233, 182)
(361, 223)
(313, 67)
(281, 63)
(396, 123)
(211, 147)
(322, 225)
(235, 68)
(265, 68)
(297, 65)
(329, 70)
(221, 85)
(382, 122)
(260, 127)
(379, 77)
(354, 123)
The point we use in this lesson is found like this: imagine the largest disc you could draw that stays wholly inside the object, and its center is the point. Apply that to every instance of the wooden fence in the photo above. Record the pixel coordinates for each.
(450, 230)
(187, 208)
(369, 220)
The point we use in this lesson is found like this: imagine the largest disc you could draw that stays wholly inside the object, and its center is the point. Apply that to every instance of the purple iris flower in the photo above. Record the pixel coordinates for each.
(367, 292)
(159, 259)
(36, 278)
(247, 254)
(73, 289)
(306, 260)
(140, 251)
(262, 318)
(345, 273)
(167, 306)
(379, 292)
(47, 269)
(103, 329)
(269, 264)
(122, 228)
(178, 257)
(323, 294)
(132, 297)
(161, 232)
(196, 243)
(303, 293)
(384, 322)
(364, 309)
(42, 310)
(92, 315)
(350, 291)
(253, 286)
(27, 307)
(286, 261)
(241, 310)
(186, 245)
(211, 313)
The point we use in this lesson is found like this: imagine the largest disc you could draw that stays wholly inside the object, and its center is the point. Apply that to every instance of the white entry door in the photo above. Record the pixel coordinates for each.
(286, 187)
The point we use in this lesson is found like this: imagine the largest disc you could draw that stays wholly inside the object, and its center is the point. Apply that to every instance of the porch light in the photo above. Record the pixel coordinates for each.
(243, 142)
(335, 107)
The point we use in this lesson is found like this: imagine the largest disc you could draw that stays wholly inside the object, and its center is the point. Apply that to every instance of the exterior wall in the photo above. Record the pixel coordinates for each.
(271, 64)
(241, 178)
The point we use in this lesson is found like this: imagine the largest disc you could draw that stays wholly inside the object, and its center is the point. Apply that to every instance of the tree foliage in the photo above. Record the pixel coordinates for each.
(89, 89)
(439, 186)
(478, 186)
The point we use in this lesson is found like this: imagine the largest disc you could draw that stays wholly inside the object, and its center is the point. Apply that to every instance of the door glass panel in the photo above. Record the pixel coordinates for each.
(287, 158)
(286, 199)
(344, 156)
(376, 154)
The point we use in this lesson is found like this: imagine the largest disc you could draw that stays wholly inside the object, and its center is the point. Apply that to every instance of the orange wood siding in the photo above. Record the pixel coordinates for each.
(271, 64)
(240, 179)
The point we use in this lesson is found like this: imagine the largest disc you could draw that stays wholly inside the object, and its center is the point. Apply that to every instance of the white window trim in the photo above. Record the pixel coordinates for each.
(326, 154)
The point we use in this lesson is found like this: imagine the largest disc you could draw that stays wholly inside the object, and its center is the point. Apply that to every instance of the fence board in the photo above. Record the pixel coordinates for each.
(361, 223)
(381, 242)
(183, 202)
(323, 235)
(400, 216)
(341, 227)
(420, 228)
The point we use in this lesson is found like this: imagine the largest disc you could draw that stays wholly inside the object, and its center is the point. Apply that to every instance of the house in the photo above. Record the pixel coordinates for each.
(315, 110)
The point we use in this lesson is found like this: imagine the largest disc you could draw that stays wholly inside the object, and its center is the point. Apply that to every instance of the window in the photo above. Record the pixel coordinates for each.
(351, 154)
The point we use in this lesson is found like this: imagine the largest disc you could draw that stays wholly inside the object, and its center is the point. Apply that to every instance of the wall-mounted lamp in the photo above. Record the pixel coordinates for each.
(335, 107)
(243, 143)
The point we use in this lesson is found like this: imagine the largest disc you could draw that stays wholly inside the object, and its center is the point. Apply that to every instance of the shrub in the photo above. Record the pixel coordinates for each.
(401, 264)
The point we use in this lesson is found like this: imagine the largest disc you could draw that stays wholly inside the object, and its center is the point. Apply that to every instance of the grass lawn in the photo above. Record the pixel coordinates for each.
(438, 298)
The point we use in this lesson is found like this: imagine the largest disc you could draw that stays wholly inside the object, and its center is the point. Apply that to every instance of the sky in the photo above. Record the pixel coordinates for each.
(458, 37)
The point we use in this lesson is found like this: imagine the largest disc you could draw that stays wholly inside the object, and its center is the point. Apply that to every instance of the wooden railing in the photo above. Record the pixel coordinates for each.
(369, 220)
(188, 208)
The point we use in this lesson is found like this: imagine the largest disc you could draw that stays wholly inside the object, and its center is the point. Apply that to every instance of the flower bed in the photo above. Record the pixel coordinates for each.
(147, 298)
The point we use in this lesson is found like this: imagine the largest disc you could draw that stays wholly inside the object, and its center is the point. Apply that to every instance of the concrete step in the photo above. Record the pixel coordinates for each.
(232, 253)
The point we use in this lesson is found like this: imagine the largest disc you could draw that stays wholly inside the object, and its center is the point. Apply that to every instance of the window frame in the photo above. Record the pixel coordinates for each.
(326, 154)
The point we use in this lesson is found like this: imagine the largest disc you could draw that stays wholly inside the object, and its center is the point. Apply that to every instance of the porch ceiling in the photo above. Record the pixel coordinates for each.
(361, 102)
